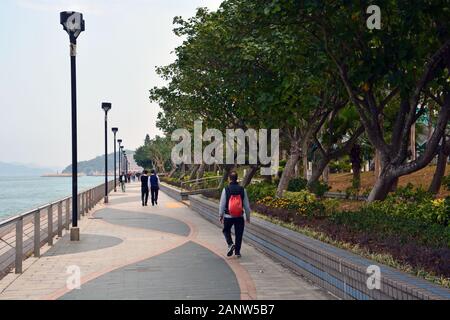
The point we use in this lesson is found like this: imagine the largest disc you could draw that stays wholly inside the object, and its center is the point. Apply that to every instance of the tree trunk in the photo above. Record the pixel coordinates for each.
(288, 171)
(326, 174)
(318, 170)
(194, 171)
(305, 159)
(413, 142)
(382, 186)
(250, 174)
(436, 183)
(201, 171)
(172, 172)
(377, 161)
(355, 158)
(226, 172)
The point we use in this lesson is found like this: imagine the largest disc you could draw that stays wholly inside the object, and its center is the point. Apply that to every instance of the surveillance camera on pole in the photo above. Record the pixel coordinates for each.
(73, 24)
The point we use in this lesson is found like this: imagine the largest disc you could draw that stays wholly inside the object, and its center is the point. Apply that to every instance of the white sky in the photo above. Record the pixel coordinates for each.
(117, 54)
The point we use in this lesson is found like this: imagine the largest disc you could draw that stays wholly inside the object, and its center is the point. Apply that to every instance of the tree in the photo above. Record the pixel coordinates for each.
(409, 59)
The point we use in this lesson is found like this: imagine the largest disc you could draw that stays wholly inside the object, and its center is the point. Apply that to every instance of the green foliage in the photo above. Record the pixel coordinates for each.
(297, 184)
(260, 190)
(340, 166)
(391, 221)
(319, 188)
(155, 153)
(409, 193)
(303, 203)
(446, 182)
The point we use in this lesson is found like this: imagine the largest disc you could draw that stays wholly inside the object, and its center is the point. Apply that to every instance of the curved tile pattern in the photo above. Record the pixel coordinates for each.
(186, 273)
(123, 200)
(88, 242)
(144, 221)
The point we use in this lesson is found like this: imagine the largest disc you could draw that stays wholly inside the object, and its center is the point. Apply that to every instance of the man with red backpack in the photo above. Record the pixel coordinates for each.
(234, 205)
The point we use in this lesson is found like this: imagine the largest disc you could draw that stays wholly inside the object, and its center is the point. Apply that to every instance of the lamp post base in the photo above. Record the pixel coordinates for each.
(106, 199)
(74, 234)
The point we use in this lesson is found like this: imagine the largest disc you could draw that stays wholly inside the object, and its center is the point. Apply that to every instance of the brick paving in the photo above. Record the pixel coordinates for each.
(165, 252)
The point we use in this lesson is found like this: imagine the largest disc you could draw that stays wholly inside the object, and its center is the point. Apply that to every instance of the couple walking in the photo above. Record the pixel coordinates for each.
(149, 184)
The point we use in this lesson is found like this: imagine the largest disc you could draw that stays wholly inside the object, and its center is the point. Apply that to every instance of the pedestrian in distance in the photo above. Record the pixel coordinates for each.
(234, 207)
(153, 182)
(144, 188)
(122, 181)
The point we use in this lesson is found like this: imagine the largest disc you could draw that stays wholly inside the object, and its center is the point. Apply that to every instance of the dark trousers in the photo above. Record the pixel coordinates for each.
(144, 193)
(239, 225)
(154, 191)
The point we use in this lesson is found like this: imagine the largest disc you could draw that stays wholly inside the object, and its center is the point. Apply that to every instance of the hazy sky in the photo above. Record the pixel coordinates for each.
(117, 54)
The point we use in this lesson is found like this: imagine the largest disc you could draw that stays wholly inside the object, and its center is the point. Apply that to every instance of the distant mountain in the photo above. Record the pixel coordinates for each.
(15, 169)
(97, 165)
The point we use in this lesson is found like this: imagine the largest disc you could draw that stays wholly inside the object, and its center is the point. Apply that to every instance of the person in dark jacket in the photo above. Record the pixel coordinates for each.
(122, 181)
(153, 182)
(144, 188)
(229, 219)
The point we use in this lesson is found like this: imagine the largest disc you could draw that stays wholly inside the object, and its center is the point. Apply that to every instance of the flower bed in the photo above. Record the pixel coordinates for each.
(410, 230)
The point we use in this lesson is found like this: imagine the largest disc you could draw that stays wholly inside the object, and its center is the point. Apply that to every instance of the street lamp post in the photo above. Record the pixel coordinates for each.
(73, 24)
(106, 106)
(125, 168)
(114, 130)
(120, 155)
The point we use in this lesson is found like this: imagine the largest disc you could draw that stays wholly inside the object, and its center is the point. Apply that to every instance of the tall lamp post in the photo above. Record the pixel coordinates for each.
(120, 154)
(73, 24)
(125, 165)
(123, 155)
(114, 130)
(106, 106)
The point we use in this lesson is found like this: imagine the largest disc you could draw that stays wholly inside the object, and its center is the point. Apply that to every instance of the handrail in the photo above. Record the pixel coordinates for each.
(197, 181)
(56, 215)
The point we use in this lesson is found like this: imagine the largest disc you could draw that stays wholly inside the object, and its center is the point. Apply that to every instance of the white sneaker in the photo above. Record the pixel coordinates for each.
(230, 250)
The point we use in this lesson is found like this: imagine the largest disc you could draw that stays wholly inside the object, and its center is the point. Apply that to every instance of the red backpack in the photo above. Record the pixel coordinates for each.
(235, 205)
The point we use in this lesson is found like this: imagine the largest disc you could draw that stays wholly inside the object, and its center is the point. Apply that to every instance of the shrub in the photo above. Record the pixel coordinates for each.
(319, 188)
(260, 190)
(340, 166)
(303, 203)
(446, 182)
(410, 194)
(415, 204)
(297, 184)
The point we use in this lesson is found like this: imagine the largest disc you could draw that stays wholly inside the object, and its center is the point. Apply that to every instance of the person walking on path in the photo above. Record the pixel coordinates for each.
(234, 205)
(122, 181)
(144, 188)
(153, 182)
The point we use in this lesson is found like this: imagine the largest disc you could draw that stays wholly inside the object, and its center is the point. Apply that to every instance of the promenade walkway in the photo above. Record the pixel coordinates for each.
(166, 252)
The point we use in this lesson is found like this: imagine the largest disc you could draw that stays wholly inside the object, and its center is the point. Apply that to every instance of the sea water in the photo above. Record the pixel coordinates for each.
(20, 194)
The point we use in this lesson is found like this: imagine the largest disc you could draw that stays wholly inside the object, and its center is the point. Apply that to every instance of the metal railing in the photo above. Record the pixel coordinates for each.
(23, 235)
(198, 184)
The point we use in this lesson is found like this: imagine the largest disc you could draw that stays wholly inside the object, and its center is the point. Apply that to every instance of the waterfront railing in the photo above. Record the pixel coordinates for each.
(23, 235)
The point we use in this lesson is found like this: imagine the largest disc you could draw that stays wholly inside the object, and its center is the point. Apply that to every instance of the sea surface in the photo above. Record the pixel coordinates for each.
(20, 194)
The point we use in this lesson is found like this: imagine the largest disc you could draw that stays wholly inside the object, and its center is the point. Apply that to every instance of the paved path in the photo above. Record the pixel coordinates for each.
(166, 252)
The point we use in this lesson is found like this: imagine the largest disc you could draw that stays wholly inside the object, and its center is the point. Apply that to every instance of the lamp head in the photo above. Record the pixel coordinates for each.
(106, 106)
(115, 130)
(73, 24)
(119, 141)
